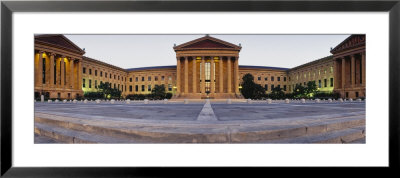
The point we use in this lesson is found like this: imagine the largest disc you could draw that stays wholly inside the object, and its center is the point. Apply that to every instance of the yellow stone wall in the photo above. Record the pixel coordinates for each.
(263, 76)
(318, 70)
(95, 72)
(158, 76)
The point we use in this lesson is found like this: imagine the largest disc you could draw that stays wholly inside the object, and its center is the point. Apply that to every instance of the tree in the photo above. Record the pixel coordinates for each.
(158, 92)
(311, 88)
(299, 91)
(277, 93)
(251, 89)
(109, 92)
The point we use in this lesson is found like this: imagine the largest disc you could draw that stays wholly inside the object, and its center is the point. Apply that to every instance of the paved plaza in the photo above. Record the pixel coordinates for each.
(203, 121)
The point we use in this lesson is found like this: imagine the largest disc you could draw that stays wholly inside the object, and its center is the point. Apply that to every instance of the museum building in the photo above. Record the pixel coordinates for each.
(205, 67)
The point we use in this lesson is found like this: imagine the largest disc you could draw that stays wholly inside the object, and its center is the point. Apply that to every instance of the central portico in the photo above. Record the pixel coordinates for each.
(207, 68)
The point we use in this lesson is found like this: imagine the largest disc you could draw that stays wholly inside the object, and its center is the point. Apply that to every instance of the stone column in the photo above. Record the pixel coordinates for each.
(236, 77)
(203, 76)
(52, 69)
(62, 72)
(343, 72)
(40, 69)
(178, 75)
(186, 75)
(71, 73)
(212, 73)
(353, 71)
(335, 74)
(79, 71)
(221, 76)
(229, 75)
(194, 75)
(363, 64)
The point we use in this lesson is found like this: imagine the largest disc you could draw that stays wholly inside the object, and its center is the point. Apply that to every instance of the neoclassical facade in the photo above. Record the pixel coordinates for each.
(206, 67)
(58, 67)
(349, 63)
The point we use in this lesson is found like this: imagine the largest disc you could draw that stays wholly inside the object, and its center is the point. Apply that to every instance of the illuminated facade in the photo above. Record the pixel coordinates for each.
(206, 67)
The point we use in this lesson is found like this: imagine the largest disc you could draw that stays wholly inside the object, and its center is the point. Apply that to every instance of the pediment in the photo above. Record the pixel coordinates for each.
(59, 41)
(207, 42)
(351, 42)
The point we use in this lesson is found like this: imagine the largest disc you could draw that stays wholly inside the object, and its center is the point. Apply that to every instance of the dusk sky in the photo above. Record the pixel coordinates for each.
(131, 51)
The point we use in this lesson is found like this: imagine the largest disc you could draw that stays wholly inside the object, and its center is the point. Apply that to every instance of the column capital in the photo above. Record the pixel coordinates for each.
(41, 52)
(52, 54)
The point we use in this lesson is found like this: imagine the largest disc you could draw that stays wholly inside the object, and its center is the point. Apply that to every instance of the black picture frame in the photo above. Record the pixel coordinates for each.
(8, 7)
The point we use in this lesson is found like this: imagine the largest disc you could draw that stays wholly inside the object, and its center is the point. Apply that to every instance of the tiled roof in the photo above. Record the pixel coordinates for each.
(312, 62)
(263, 67)
(103, 63)
(150, 68)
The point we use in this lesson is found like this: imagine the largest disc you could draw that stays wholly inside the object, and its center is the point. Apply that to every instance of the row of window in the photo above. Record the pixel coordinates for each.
(272, 78)
(101, 82)
(325, 84)
(273, 86)
(309, 73)
(149, 78)
(122, 86)
(143, 88)
(105, 74)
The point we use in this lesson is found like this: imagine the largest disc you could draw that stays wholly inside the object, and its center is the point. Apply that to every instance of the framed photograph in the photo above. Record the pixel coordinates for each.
(102, 88)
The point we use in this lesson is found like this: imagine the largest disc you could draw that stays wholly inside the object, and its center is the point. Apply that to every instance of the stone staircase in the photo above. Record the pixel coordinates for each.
(79, 130)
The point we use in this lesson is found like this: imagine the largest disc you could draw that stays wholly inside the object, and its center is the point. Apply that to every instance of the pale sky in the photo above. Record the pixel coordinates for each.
(132, 51)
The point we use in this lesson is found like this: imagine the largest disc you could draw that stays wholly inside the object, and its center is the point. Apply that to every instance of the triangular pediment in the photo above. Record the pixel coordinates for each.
(59, 41)
(207, 42)
(351, 42)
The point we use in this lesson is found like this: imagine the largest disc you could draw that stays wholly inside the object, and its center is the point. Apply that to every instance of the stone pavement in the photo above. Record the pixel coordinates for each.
(206, 121)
